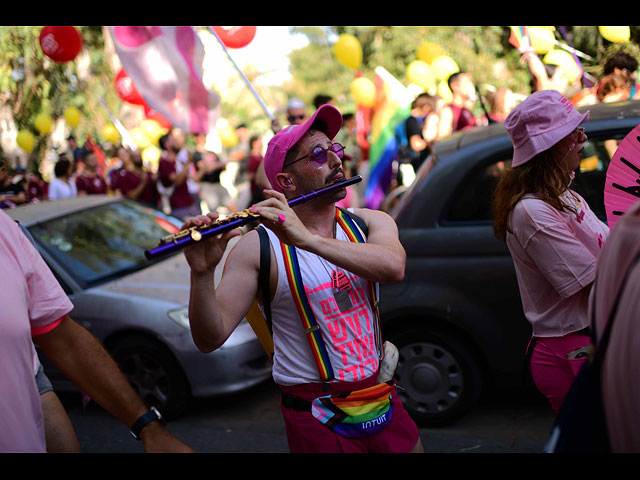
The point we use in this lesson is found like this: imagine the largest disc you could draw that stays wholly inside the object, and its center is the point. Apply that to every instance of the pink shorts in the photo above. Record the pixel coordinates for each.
(551, 370)
(305, 434)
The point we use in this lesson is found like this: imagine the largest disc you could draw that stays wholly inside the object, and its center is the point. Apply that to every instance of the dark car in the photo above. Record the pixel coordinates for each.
(457, 317)
(137, 308)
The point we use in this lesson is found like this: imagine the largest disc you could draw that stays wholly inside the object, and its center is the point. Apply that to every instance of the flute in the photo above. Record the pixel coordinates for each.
(191, 235)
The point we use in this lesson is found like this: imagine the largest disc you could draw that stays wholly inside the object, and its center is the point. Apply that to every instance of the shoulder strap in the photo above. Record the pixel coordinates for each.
(265, 260)
(265, 269)
(359, 221)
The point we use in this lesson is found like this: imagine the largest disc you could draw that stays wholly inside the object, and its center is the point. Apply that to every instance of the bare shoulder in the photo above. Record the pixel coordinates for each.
(245, 249)
(374, 218)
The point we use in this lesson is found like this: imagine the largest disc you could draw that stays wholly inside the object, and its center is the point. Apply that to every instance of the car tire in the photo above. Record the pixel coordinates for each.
(440, 378)
(154, 374)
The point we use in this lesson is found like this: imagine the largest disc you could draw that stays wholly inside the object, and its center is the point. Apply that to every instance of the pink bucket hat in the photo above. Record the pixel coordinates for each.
(539, 122)
(286, 138)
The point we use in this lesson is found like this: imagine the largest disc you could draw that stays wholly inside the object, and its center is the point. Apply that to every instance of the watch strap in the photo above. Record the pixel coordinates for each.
(152, 415)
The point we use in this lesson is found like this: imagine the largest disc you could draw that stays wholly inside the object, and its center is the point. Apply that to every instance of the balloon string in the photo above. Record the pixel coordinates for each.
(242, 75)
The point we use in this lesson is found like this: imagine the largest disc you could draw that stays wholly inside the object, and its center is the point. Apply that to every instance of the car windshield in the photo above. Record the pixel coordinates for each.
(104, 242)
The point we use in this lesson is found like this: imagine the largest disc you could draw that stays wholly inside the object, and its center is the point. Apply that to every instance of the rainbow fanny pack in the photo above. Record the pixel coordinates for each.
(356, 414)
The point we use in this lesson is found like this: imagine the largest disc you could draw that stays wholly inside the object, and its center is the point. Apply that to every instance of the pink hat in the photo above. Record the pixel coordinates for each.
(286, 138)
(539, 122)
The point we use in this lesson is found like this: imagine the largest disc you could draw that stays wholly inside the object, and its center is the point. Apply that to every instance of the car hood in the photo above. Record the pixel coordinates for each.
(167, 280)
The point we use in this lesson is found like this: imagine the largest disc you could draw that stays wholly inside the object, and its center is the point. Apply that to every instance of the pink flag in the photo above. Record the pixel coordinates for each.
(165, 64)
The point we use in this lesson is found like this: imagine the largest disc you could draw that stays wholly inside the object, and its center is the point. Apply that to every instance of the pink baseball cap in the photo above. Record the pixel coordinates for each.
(539, 122)
(286, 138)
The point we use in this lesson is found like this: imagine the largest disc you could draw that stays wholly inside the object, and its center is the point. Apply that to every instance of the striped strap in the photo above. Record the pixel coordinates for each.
(309, 323)
(305, 311)
(353, 233)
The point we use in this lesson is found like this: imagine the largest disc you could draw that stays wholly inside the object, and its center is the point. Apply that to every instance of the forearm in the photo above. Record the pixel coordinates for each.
(207, 327)
(81, 358)
(375, 262)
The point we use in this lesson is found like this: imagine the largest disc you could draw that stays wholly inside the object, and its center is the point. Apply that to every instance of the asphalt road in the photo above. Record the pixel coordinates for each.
(509, 422)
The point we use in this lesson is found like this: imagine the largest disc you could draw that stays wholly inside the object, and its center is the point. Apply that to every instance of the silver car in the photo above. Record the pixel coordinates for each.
(137, 308)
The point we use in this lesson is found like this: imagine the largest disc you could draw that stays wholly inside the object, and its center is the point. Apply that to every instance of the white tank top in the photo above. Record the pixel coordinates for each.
(349, 335)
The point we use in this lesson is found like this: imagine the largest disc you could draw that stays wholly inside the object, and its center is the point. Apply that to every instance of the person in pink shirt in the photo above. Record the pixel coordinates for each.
(35, 309)
(553, 236)
(618, 279)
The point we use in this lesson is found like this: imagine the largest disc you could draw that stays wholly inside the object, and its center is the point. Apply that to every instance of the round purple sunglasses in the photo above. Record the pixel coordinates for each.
(319, 154)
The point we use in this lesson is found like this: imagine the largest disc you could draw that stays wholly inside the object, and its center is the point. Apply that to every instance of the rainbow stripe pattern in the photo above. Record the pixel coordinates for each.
(356, 414)
(392, 107)
(311, 328)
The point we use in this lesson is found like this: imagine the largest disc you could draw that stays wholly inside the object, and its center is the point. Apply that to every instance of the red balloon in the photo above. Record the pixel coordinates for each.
(235, 37)
(60, 43)
(151, 114)
(127, 90)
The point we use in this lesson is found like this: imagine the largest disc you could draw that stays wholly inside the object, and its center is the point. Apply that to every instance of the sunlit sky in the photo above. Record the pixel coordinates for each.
(267, 52)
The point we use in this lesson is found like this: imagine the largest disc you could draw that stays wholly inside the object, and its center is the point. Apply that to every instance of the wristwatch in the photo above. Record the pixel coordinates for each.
(151, 416)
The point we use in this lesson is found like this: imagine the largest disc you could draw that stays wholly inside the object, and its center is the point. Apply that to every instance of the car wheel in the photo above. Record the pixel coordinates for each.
(154, 374)
(439, 378)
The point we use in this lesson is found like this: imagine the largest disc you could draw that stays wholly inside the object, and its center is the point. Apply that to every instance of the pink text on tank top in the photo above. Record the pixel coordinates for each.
(351, 333)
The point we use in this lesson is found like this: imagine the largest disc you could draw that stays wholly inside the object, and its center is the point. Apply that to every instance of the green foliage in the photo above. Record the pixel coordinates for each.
(483, 51)
(31, 83)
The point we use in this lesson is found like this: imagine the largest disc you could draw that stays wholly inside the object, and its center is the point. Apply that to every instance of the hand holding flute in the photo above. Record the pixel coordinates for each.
(199, 228)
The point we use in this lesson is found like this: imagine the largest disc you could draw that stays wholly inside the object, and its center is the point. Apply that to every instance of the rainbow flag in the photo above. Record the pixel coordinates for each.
(392, 107)
(519, 34)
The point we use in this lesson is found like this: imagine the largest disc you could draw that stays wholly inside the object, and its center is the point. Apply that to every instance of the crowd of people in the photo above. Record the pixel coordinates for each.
(319, 289)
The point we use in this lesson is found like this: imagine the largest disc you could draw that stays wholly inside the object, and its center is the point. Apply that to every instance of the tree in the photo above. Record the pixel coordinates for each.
(31, 83)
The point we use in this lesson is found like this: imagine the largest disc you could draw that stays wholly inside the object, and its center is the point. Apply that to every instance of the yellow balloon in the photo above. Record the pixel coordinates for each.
(152, 129)
(72, 116)
(110, 133)
(226, 133)
(363, 91)
(140, 138)
(615, 34)
(542, 39)
(429, 51)
(443, 67)
(420, 73)
(151, 155)
(348, 51)
(25, 140)
(566, 62)
(43, 123)
(444, 92)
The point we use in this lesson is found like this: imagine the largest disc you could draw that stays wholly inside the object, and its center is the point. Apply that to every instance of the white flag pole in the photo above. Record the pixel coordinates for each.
(242, 75)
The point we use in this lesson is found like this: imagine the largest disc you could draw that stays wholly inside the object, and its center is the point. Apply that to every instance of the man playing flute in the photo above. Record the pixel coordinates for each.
(322, 277)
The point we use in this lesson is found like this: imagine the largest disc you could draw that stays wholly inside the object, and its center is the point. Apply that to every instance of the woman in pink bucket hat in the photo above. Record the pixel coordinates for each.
(553, 236)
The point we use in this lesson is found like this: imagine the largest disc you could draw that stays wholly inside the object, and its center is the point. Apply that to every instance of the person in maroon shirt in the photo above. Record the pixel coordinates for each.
(172, 181)
(90, 182)
(134, 181)
(458, 115)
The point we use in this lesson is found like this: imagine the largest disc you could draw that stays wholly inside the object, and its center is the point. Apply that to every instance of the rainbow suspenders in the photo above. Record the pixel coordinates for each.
(309, 323)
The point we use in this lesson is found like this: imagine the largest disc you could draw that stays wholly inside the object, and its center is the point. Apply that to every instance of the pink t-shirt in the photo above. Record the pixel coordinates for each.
(32, 303)
(555, 256)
